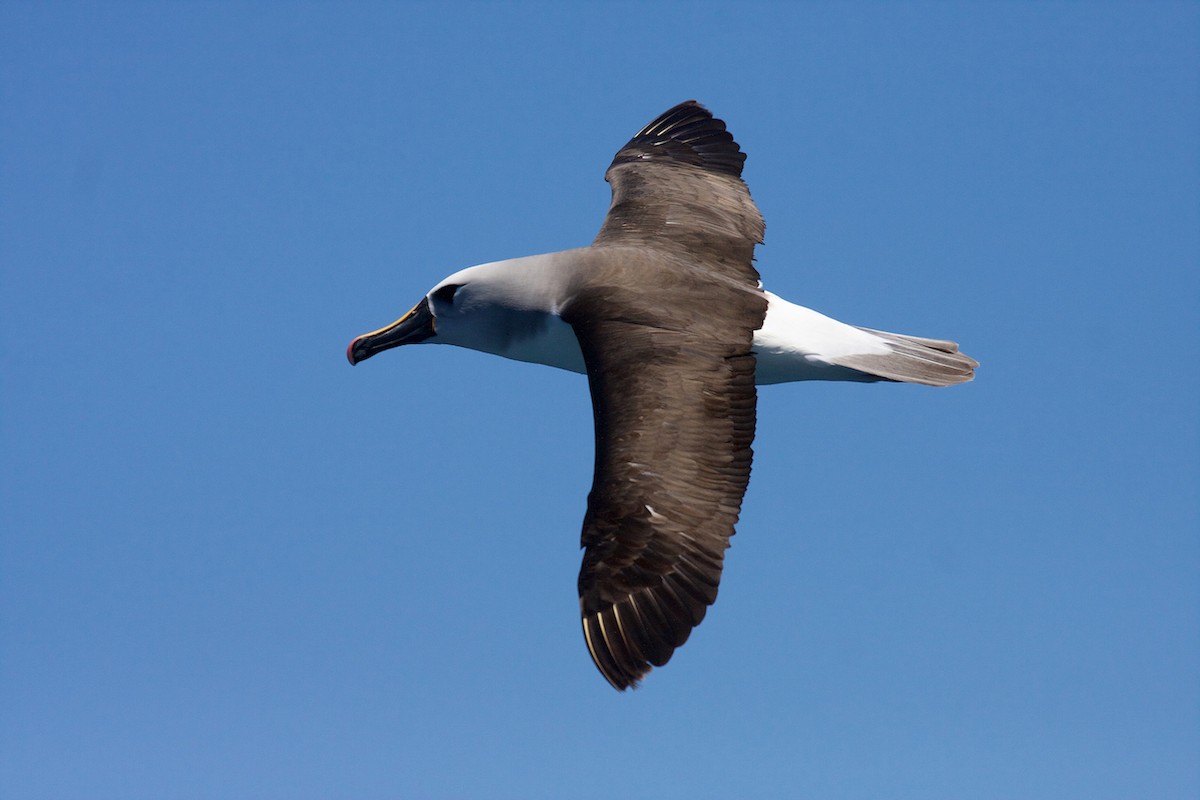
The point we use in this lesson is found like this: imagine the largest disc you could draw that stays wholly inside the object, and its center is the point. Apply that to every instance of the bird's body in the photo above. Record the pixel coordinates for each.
(665, 314)
(794, 343)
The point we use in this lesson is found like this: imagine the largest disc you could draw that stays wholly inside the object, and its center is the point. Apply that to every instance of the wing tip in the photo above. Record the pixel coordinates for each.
(600, 647)
(686, 133)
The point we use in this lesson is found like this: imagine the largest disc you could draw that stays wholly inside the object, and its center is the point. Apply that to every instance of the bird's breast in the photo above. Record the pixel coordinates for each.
(545, 339)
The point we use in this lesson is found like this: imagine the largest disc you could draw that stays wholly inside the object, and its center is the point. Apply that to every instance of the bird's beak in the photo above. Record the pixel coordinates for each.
(415, 326)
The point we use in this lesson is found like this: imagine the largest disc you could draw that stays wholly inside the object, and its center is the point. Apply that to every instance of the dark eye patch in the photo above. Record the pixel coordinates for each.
(445, 294)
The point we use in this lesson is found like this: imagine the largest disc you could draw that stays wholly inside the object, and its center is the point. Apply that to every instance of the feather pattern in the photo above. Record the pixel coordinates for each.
(671, 375)
(655, 541)
(913, 359)
(676, 186)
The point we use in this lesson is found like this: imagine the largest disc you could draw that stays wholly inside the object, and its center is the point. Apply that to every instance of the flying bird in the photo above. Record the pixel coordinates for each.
(665, 314)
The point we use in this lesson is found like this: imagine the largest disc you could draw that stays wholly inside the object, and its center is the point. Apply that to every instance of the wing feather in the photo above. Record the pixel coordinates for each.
(655, 542)
(677, 186)
(671, 373)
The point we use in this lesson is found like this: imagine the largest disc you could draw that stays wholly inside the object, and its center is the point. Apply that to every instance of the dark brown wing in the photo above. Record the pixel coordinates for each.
(674, 407)
(665, 314)
(677, 186)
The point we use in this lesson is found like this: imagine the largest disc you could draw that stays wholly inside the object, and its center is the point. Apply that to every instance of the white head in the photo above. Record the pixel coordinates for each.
(508, 308)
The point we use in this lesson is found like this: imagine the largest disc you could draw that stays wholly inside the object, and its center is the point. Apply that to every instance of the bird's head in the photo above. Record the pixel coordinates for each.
(426, 322)
(485, 308)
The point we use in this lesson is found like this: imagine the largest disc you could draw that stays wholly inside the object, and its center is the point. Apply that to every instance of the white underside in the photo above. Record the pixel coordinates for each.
(798, 344)
(794, 344)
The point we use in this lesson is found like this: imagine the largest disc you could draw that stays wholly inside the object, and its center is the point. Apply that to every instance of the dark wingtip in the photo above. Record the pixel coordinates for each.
(609, 656)
(686, 134)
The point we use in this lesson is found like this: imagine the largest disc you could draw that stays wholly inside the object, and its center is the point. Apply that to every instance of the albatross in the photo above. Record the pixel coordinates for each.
(665, 314)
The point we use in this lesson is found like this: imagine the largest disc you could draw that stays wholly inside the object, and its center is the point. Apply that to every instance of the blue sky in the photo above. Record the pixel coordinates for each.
(232, 566)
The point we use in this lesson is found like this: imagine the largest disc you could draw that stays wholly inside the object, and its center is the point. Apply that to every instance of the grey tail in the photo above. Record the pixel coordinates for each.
(933, 362)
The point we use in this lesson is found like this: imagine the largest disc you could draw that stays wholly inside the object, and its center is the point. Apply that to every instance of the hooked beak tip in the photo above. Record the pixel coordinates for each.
(415, 326)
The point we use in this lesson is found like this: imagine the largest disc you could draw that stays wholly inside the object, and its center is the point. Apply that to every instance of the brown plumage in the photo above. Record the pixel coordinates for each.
(671, 375)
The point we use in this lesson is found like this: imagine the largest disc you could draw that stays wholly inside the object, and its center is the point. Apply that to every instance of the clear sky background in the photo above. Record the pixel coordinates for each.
(231, 566)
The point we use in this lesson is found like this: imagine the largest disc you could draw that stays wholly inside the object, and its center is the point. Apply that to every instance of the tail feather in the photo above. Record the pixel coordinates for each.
(913, 359)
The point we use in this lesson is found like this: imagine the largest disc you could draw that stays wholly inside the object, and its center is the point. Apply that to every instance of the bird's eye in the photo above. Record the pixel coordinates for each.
(445, 294)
